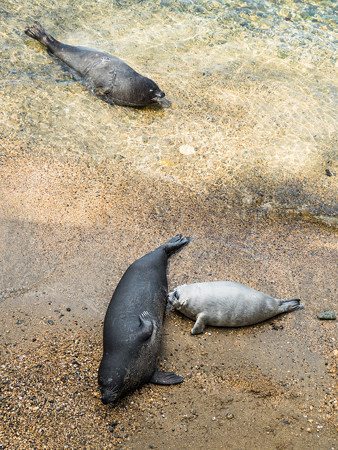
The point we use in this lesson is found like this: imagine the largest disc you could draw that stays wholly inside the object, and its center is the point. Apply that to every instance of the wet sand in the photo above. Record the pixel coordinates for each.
(69, 230)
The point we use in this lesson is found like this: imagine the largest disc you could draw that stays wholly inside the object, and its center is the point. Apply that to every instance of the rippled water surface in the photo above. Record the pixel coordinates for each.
(252, 88)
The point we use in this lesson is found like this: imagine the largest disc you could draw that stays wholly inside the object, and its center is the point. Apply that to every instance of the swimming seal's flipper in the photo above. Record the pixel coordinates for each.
(166, 378)
(36, 31)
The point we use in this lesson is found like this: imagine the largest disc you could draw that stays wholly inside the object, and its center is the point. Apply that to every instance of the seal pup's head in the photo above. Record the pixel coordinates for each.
(174, 299)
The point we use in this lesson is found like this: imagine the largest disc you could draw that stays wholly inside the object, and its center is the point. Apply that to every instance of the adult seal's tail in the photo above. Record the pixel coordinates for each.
(133, 326)
(227, 304)
(108, 76)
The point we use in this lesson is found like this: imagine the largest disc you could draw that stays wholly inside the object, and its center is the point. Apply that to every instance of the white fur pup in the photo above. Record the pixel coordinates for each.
(226, 304)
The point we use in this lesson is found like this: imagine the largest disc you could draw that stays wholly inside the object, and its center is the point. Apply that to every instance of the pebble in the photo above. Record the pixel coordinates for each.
(187, 150)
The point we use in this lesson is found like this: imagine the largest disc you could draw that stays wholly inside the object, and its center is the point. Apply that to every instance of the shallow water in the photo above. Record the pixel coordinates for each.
(252, 120)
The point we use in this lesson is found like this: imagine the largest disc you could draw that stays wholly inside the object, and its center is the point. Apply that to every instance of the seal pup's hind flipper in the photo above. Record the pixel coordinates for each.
(165, 378)
(291, 304)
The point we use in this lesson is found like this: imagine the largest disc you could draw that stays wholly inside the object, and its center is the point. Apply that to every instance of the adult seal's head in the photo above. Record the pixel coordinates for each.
(141, 92)
(133, 326)
(107, 76)
(227, 304)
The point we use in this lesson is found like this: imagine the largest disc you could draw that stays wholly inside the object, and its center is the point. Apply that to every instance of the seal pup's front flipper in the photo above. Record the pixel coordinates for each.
(166, 378)
(200, 324)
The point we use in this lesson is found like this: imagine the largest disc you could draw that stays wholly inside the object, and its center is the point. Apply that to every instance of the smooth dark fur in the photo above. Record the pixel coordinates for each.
(107, 76)
(133, 326)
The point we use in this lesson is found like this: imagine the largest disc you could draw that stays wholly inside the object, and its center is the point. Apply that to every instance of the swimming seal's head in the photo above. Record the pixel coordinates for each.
(148, 91)
(138, 91)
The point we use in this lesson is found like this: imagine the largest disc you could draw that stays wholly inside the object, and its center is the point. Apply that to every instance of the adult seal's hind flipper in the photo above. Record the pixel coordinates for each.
(175, 244)
(133, 325)
(104, 74)
(37, 32)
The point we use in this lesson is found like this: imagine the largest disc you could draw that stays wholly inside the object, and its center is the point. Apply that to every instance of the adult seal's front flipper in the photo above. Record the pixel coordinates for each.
(148, 327)
(166, 378)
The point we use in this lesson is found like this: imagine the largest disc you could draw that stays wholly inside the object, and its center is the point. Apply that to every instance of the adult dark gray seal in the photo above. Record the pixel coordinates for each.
(106, 75)
(133, 326)
(227, 304)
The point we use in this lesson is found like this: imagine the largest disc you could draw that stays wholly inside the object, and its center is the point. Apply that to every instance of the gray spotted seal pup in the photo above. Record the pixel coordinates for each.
(133, 326)
(107, 76)
(227, 304)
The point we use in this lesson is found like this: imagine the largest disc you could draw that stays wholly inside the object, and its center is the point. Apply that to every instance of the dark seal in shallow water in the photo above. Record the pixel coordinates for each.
(108, 76)
(133, 326)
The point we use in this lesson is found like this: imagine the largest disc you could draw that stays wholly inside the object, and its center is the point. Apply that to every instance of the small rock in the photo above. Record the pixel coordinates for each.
(20, 321)
(327, 315)
(229, 416)
(276, 327)
(68, 309)
(50, 322)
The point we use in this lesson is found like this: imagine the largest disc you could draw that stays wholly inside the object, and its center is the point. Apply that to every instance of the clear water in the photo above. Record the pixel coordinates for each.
(252, 86)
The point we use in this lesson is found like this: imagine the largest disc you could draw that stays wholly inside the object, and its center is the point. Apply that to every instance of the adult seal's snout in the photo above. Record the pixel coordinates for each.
(106, 75)
(106, 398)
(133, 326)
(159, 94)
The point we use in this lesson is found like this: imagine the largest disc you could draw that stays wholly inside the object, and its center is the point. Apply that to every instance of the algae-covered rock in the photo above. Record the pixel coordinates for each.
(327, 315)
